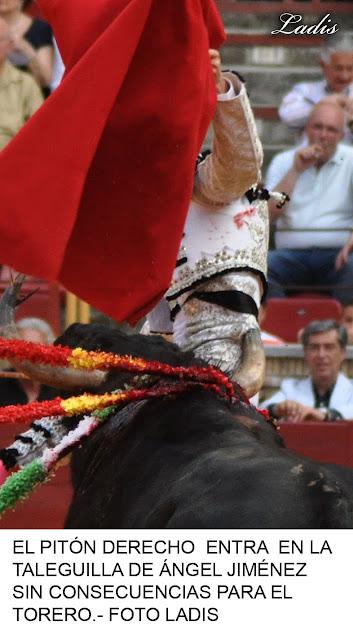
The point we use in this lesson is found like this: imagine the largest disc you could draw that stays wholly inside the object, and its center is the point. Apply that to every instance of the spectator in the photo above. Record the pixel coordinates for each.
(35, 330)
(326, 394)
(23, 390)
(20, 95)
(32, 42)
(347, 320)
(313, 239)
(337, 86)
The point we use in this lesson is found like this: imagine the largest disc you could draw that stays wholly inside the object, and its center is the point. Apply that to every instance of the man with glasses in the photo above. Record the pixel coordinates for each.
(326, 394)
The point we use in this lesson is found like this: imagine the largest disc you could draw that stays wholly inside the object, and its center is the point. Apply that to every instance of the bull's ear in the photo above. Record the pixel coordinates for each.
(251, 373)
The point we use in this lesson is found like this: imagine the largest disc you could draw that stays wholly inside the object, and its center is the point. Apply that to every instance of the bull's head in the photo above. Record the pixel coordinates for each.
(60, 377)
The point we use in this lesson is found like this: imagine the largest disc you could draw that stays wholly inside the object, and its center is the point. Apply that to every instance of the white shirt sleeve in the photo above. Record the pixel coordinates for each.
(277, 397)
(59, 68)
(229, 95)
(346, 411)
(296, 106)
(278, 168)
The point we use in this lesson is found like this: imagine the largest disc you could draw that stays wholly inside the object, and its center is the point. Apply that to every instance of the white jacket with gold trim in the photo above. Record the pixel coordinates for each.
(223, 232)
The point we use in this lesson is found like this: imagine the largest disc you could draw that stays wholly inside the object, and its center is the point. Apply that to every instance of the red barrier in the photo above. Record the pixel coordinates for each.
(286, 316)
(321, 441)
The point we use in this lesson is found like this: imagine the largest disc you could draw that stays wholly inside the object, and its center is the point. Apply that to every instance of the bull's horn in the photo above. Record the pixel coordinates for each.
(61, 377)
(251, 373)
(9, 300)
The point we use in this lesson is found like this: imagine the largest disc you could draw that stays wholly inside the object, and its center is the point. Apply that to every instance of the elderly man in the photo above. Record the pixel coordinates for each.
(326, 394)
(337, 86)
(313, 239)
(20, 96)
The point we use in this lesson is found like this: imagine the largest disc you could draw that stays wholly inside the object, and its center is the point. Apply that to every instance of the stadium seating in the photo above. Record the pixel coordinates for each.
(286, 316)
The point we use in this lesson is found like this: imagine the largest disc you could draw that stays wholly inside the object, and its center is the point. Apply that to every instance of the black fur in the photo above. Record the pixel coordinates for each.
(194, 461)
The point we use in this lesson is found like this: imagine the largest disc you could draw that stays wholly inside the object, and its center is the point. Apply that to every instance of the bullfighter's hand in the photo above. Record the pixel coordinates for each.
(221, 83)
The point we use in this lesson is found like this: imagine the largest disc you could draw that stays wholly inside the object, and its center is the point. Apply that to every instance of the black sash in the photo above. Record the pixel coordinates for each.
(233, 300)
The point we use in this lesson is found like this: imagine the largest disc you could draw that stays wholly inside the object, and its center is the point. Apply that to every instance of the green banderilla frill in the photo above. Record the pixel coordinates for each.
(20, 484)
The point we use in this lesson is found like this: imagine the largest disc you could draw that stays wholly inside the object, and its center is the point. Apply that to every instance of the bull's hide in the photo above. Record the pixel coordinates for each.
(194, 461)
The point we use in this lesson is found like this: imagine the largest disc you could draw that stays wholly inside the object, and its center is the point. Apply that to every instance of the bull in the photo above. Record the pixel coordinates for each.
(193, 461)
(189, 461)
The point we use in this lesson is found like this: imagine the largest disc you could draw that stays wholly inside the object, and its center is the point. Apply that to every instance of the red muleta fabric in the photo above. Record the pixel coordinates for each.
(95, 188)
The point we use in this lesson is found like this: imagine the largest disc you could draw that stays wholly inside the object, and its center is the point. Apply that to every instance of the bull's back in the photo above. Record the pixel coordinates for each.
(175, 469)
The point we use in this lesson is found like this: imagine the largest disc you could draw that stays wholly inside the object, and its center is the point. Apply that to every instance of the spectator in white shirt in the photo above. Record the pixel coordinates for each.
(313, 237)
(326, 394)
(337, 66)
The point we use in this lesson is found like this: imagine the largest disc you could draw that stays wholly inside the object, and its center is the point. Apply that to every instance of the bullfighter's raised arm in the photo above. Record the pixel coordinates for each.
(235, 162)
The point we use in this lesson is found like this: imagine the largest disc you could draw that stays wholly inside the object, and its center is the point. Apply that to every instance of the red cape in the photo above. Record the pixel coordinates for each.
(95, 188)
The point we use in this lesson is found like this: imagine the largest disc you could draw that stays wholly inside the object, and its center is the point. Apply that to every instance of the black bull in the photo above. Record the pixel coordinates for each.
(194, 461)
